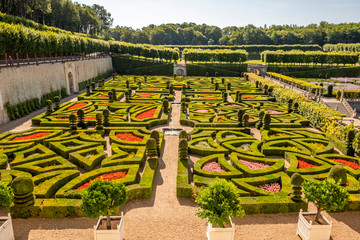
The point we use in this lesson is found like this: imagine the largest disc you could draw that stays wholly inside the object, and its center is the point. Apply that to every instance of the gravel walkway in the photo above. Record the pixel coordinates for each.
(165, 216)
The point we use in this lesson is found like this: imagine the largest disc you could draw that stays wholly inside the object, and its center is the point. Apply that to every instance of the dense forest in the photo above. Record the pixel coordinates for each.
(97, 20)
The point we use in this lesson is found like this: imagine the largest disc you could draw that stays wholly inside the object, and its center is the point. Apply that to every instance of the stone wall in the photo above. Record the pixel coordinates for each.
(18, 84)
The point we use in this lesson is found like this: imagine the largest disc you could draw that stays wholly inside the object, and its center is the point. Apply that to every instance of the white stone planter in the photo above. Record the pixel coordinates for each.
(6, 229)
(113, 234)
(307, 231)
(214, 233)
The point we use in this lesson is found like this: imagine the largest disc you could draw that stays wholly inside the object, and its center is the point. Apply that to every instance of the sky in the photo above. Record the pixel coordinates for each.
(223, 13)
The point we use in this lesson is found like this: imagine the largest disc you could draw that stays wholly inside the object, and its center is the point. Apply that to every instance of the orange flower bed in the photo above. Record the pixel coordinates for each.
(77, 105)
(31, 136)
(105, 177)
(146, 94)
(144, 97)
(90, 118)
(147, 114)
(128, 137)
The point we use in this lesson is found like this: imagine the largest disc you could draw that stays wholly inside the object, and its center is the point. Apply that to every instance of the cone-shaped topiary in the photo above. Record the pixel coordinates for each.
(72, 120)
(171, 89)
(6, 196)
(296, 107)
(151, 148)
(188, 86)
(229, 86)
(145, 78)
(240, 115)
(225, 96)
(81, 119)
(266, 88)
(246, 120)
(259, 124)
(106, 114)
(114, 94)
(219, 201)
(49, 107)
(156, 135)
(350, 136)
(338, 173)
(184, 107)
(111, 98)
(88, 92)
(99, 125)
(257, 84)
(296, 182)
(183, 89)
(127, 84)
(223, 81)
(290, 104)
(338, 94)
(166, 106)
(266, 121)
(101, 198)
(93, 86)
(216, 86)
(212, 80)
(183, 150)
(57, 102)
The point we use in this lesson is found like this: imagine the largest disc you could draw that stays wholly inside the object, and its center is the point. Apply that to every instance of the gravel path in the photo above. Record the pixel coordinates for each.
(165, 216)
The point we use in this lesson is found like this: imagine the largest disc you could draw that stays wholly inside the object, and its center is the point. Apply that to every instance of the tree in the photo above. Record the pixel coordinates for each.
(101, 198)
(326, 194)
(218, 202)
(104, 17)
(6, 196)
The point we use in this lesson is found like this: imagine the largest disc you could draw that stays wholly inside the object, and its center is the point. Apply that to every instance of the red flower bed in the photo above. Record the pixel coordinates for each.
(77, 105)
(147, 114)
(303, 164)
(221, 120)
(144, 97)
(213, 167)
(62, 118)
(105, 177)
(90, 118)
(208, 98)
(353, 165)
(128, 137)
(146, 94)
(103, 97)
(32, 136)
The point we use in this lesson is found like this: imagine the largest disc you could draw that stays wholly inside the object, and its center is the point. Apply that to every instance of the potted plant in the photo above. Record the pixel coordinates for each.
(327, 195)
(6, 198)
(217, 203)
(99, 200)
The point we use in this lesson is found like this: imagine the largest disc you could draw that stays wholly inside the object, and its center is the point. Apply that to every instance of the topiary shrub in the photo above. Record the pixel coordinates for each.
(106, 114)
(266, 88)
(290, 103)
(151, 148)
(93, 86)
(111, 97)
(6, 196)
(57, 102)
(216, 86)
(49, 108)
(183, 89)
(223, 81)
(218, 202)
(184, 107)
(259, 124)
(257, 84)
(171, 90)
(326, 194)
(23, 188)
(212, 80)
(81, 119)
(350, 136)
(246, 120)
(183, 150)
(330, 89)
(88, 92)
(166, 106)
(114, 94)
(229, 86)
(296, 182)
(338, 173)
(156, 135)
(99, 125)
(72, 120)
(183, 135)
(127, 84)
(338, 94)
(127, 95)
(240, 115)
(296, 107)
(225, 96)
(266, 121)
(101, 198)
(188, 84)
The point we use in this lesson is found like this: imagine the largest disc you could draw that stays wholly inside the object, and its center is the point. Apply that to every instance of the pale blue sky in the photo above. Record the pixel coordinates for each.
(222, 13)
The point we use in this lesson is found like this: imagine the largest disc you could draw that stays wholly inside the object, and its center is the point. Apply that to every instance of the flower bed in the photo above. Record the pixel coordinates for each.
(353, 165)
(271, 187)
(254, 165)
(77, 105)
(31, 136)
(303, 164)
(128, 137)
(147, 114)
(274, 111)
(202, 111)
(105, 177)
(213, 167)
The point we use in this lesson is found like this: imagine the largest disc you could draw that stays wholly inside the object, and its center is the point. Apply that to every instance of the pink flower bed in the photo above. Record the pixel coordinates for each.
(213, 167)
(254, 165)
(271, 187)
(202, 111)
(273, 111)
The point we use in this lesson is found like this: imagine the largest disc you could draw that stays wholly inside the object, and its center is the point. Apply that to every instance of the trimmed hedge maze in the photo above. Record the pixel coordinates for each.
(104, 135)
(255, 142)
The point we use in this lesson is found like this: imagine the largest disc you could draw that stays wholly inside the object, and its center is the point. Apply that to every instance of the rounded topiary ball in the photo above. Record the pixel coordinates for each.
(22, 185)
(338, 173)
(296, 179)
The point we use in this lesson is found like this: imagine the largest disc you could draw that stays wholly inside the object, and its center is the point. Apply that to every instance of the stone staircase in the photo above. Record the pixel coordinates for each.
(339, 107)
